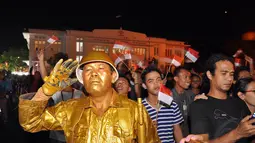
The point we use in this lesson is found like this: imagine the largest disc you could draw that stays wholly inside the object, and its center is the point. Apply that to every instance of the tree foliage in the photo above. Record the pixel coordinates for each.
(12, 60)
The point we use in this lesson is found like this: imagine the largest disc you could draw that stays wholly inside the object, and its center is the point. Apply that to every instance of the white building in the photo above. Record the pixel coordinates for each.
(77, 43)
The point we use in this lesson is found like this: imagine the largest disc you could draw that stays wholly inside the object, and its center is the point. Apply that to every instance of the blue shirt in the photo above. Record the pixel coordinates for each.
(166, 119)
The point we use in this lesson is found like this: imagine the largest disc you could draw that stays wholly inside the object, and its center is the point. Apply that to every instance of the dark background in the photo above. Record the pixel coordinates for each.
(207, 27)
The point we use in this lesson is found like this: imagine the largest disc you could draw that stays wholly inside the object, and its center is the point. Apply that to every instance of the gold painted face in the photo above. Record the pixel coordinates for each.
(97, 78)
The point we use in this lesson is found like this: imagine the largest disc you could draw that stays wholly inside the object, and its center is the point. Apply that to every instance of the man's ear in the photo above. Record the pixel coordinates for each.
(114, 75)
(209, 75)
(144, 86)
(176, 78)
(129, 89)
(241, 95)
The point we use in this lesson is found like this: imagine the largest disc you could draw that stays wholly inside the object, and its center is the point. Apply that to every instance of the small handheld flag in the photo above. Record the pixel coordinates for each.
(127, 55)
(238, 52)
(121, 45)
(52, 39)
(237, 62)
(177, 60)
(165, 95)
(117, 61)
(192, 55)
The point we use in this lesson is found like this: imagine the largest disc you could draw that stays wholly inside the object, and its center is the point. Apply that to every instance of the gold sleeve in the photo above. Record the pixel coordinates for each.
(147, 132)
(151, 132)
(34, 116)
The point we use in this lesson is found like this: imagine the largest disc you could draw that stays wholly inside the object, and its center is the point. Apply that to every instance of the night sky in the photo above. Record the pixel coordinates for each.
(208, 27)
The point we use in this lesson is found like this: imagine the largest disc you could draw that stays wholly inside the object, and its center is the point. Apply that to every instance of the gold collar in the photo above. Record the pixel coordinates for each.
(86, 102)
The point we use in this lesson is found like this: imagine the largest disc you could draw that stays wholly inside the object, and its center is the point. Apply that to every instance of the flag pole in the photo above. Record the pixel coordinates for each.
(168, 70)
(47, 46)
(50, 43)
(158, 106)
(123, 62)
(44, 48)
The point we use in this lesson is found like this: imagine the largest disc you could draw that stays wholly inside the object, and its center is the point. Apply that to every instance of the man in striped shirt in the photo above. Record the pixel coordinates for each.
(166, 119)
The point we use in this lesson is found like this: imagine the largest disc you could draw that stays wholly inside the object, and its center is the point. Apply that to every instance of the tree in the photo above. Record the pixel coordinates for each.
(12, 60)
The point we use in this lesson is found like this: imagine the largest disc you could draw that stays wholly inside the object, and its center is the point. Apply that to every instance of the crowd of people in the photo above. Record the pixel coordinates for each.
(103, 104)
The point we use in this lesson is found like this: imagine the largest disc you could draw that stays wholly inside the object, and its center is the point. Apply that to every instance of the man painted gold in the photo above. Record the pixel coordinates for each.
(103, 116)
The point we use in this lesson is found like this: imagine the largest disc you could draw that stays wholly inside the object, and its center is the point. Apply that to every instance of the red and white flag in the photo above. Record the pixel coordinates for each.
(127, 55)
(165, 95)
(177, 61)
(238, 52)
(140, 64)
(52, 39)
(237, 62)
(120, 45)
(117, 61)
(192, 54)
(134, 66)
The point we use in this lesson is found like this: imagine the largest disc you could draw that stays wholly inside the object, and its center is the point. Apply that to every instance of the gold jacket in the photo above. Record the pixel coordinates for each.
(81, 125)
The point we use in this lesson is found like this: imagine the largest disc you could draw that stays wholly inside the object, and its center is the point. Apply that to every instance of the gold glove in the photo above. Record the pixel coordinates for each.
(59, 77)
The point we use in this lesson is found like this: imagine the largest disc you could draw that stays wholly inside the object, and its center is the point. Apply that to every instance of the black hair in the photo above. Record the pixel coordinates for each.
(240, 69)
(170, 74)
(195, 75)
(121, 75)
(211, 62)
(148, 70)
(211, 66)
(178, 70)
(56, 57)
(241, 85)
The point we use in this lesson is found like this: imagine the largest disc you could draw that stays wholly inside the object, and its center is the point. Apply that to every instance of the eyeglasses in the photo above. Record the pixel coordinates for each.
(250, 90)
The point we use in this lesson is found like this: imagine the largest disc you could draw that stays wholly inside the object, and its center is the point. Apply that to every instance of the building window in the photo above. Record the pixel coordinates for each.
(138, 51)
(36, 47)
(178, 53)
(170, 52)
(39, 42)
(79, 46)
(78, 58)
(120, 51)
(155, 51)
(141, 51)
(79, 39)
(134, 51)
(114, 51)
(102, 49)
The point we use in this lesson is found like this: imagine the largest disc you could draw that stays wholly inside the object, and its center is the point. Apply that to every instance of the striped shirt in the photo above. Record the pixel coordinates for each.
(167, 118)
